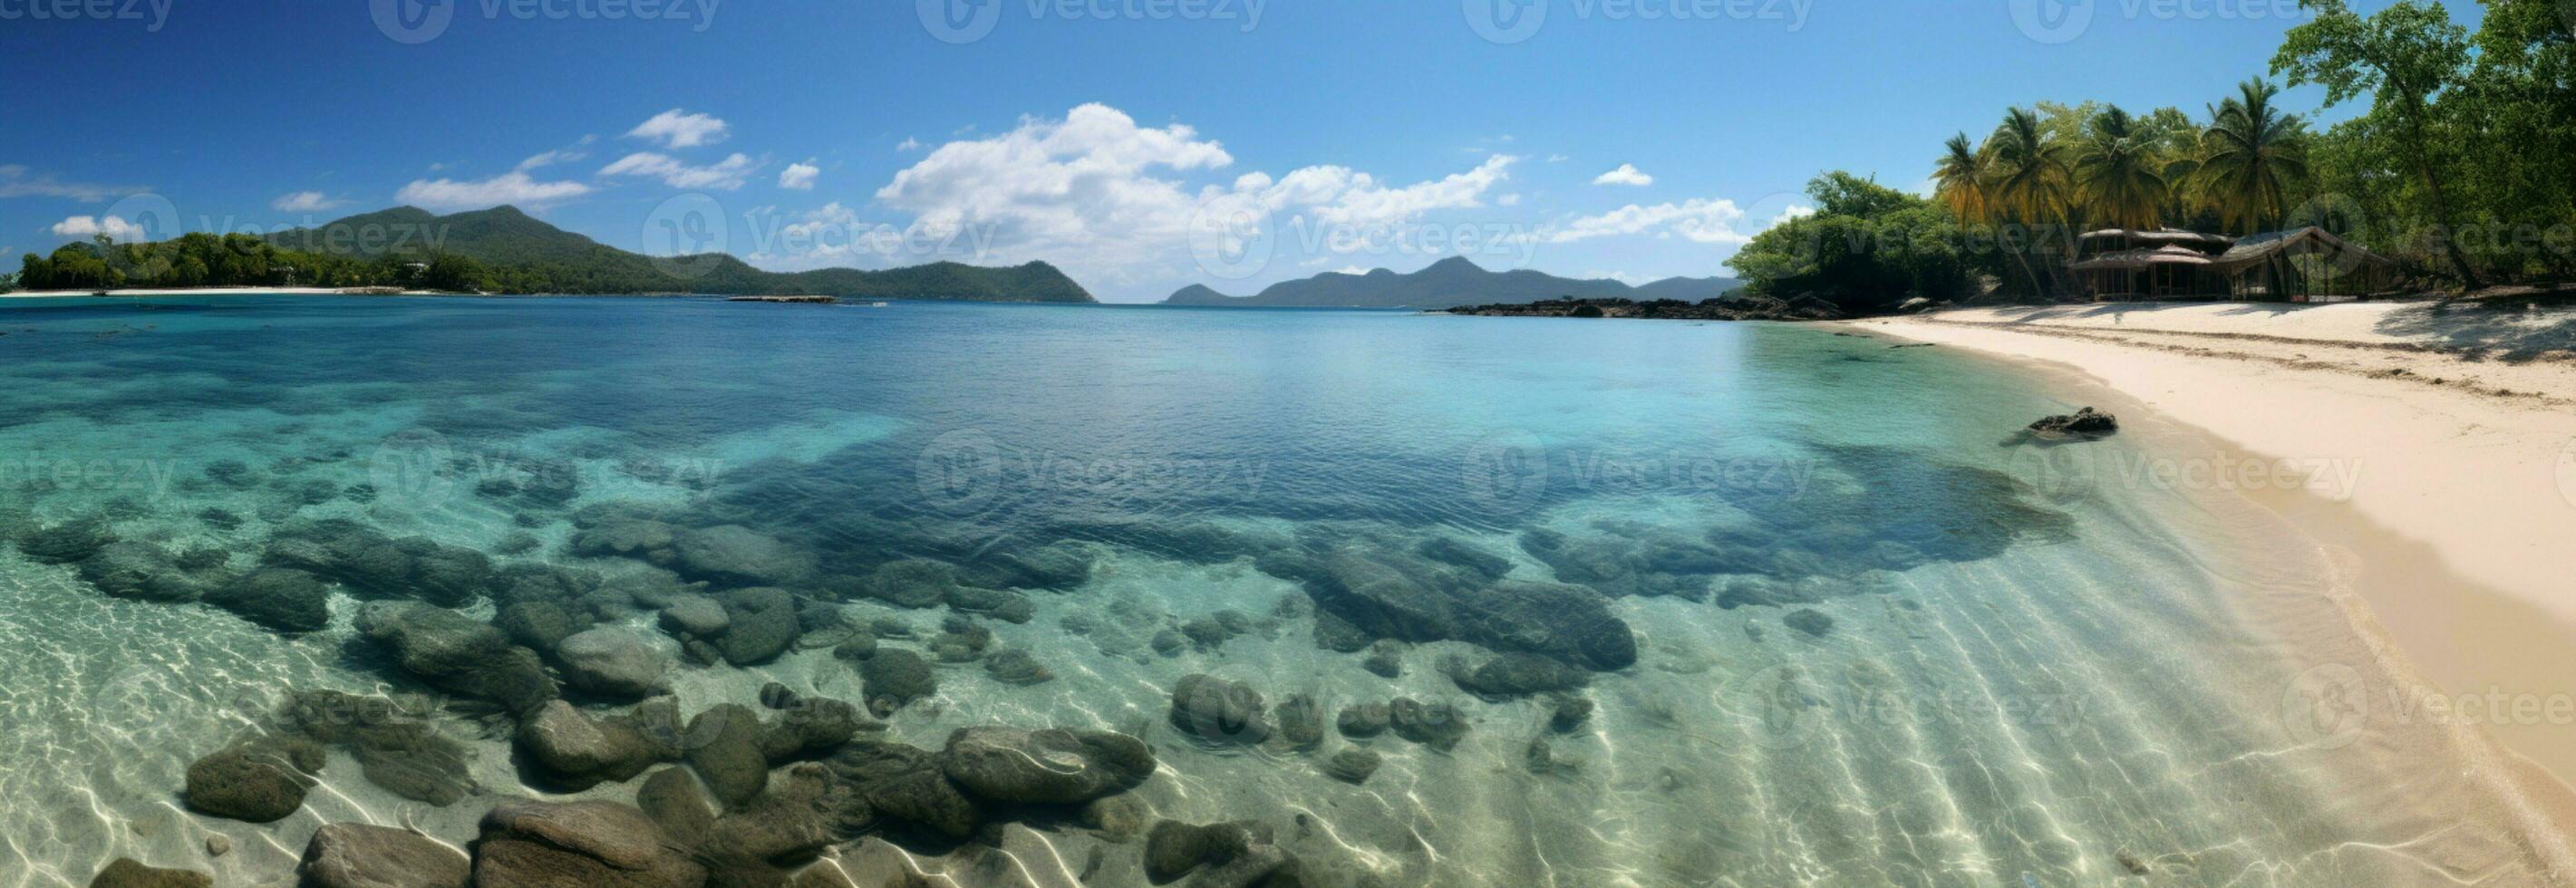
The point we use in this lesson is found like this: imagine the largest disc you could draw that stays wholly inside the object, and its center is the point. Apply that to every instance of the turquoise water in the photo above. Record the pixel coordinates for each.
(2032, 675)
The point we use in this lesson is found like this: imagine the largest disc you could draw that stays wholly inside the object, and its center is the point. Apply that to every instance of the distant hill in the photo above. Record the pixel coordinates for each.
(1448, 283)
(523, 254)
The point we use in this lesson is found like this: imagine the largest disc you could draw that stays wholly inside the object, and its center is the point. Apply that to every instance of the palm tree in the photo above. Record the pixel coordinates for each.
(2117, 173)
(1959, 181)
(2252, 155)
(2026, 174)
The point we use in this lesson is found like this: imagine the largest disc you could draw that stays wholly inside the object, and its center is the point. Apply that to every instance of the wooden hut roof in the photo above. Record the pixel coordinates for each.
(2164, 255)
(2258, 248)
(2162, 236)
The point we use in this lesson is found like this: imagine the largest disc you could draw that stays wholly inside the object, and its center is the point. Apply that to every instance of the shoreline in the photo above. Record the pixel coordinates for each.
(217, 291)
(2445, 480)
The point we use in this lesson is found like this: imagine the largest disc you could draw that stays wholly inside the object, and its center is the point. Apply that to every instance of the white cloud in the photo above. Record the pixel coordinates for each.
(513, 187)
(305, 202)
(909, 144)
(1508, 200)
(1703, 221)
(15, 182)
(799, 176)
(559, 155)
(1114, 201)
(1558, 158)
(1626, 174)
(91, 226)
(1620, 276)
(725, 175)
(679, 129)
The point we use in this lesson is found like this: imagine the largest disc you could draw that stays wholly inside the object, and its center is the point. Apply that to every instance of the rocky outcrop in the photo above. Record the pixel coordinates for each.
(358, 855)
(2085, 423)
(732, 554)
(395, 749)
(372, 565)
(528, 844)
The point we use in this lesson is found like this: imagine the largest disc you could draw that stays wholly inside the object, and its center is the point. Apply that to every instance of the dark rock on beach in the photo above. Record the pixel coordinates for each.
(358, 855)
(2084, 423)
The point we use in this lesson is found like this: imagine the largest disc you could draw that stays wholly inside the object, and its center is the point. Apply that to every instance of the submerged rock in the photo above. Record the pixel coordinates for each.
(280, 598)
(734, 554)
(453, 652)
(724, 745)
(1434, 724)
(66, 543)
(894, 678)
(1514, 675)
(1352, 765)
(1360, 721)
(672, 799)
(1385, 658)
(1215, 709)
(908, 785)
(1301, 721)
(1810, 621)
(395, 751)
(574, 752)
(1399, 595)
(1016, 667)
(358, 855)
(125, 872)
(1008, 607)
(1051, 766)
(530, 843)
(1567, 712)
(912, 583)
(260, 782)
(761, 622)
(373, 565)
(1238, 853)
(613, 662)
(138, 571)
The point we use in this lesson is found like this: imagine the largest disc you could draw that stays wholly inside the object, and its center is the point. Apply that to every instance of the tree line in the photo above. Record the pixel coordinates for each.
(201, 259)
(2459, 169)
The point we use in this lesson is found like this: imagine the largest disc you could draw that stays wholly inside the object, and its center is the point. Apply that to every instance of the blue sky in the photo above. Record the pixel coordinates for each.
(1140, 144)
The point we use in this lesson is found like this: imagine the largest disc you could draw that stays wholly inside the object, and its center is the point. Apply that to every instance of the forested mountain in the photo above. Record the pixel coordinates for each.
(1448, 283)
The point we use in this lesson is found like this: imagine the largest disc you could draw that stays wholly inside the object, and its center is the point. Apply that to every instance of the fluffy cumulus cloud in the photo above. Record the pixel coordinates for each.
(799, 176)
(92, 226)
(1113, 199)
(305, 202)
(514, 187)
(1699, 220)
(724, 175)
(1626, 174)
(680, 129)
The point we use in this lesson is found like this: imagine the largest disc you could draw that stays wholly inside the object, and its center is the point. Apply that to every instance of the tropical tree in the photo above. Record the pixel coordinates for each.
(2026, 175)
(1959, 181)
(2402, 56)
(2252, 158)
(2118, 174)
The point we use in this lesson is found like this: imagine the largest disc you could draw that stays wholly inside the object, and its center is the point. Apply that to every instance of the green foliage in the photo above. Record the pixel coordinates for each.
(1866, 249)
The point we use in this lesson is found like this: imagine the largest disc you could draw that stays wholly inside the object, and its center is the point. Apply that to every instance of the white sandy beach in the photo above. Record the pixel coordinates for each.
(2441, 448)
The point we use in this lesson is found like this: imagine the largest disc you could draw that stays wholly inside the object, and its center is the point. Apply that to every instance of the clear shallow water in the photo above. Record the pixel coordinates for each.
(2018, 686)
